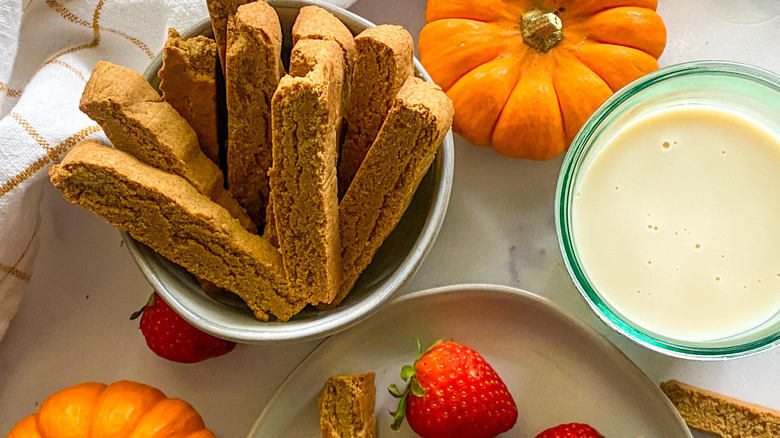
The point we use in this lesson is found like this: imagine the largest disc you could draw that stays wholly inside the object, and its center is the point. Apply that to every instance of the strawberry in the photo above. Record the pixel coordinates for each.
(571, 430)
(453, 393)
(169, 336)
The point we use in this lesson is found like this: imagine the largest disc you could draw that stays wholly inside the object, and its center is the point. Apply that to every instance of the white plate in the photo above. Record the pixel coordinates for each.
(558, 369)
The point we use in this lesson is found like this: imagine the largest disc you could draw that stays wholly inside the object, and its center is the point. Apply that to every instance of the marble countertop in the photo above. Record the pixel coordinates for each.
(73, 324)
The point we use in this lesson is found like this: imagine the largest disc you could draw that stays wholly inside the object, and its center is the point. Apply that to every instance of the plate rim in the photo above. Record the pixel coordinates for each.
(500, 291)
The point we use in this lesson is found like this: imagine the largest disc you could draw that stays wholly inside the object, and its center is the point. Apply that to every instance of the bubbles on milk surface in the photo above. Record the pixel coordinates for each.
(662, 205)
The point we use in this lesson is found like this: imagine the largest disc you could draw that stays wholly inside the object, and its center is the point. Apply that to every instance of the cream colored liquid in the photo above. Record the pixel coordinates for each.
(677, 223)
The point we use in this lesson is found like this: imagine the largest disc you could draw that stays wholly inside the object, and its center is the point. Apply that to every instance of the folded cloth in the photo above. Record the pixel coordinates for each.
(47, 50)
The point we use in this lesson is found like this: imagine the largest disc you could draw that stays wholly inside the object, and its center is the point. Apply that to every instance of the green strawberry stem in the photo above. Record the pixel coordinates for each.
(149, 303)
(398, 415)
(412, 387)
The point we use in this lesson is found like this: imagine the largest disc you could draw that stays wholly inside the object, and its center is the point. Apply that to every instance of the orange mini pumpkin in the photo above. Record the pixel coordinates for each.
(524, 75)
(121, 410)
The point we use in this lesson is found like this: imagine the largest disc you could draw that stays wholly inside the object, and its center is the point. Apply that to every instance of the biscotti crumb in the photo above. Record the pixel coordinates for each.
(188, 82)
(220, 11)
(306, 116)
(383, 61)
(253, 69)
(164, 212)
(403, 151)
(347, 405)
(721, 415)
(137, 121)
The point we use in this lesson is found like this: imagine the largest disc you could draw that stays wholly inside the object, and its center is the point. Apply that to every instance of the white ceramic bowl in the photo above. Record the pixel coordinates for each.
(393, 266)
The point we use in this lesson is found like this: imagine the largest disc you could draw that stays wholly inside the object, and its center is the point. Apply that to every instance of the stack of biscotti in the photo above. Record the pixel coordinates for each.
(322, 161)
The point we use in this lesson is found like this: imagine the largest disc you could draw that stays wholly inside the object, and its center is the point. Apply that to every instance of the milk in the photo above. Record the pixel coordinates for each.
(676, 222)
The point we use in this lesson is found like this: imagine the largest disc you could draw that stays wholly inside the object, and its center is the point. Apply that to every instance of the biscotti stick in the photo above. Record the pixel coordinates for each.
(384, 186)
(315, 23)
(189, 84)
(306, 116)
(164, 212)
(383, 61)
(721, 415)
(220, 11)
(347, 406)
(252, 73)
(137, 121)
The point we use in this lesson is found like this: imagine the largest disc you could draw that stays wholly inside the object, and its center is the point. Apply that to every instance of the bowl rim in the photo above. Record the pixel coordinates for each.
(340, 318)
(566, 177)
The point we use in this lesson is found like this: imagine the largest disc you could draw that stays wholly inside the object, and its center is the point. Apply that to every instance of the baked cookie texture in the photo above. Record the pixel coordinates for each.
(347, 406)
(721, 415)
(420, 117)
(383, 61)
(166, 213)
(253, 69)
(219, 12)
(269, 231)
(307, 112)
(137, 121)
(315, 23)
(189, 83)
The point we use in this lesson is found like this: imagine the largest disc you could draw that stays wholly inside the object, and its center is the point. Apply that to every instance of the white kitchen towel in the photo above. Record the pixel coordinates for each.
(47, 51)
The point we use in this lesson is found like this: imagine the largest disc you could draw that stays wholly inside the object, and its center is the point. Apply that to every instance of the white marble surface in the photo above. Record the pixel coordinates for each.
(73, 325)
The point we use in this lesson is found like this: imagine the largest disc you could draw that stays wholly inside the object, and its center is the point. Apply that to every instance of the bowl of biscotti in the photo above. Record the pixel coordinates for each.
(279, 171)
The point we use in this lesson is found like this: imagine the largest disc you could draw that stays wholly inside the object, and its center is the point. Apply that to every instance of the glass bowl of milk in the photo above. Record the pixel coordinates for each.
(668, 210)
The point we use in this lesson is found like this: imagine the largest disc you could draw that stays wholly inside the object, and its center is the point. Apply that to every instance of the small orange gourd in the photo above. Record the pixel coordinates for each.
(123, 409)
(524, 75)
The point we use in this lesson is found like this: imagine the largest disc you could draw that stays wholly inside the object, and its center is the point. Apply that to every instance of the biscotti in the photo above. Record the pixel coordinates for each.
(137, 121)
(189, 83)
(315, 23)
(347, 406)
(220, 11)
(307, 114)
(721, 415)
(383, 61)
(420, 117)
(164, 212)
(253, 69)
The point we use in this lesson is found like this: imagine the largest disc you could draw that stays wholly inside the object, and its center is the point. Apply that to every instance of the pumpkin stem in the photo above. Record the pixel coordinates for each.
(541, 30)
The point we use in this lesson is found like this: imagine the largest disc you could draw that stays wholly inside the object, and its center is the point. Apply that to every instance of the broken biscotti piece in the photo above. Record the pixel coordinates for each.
(306, 117)
(420, 117)
(253, 69)
(383, 61)
(189, 84)
(164, 212)
(315, 23)
(347, 406)
(137, 121)
(721, 415)
(220, 11)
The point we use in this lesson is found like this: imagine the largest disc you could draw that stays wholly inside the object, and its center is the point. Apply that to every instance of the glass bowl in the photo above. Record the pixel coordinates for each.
(226, 316)
(739, 88)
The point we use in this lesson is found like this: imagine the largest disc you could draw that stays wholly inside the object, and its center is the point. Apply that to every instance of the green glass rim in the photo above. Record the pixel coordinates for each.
(565, 189)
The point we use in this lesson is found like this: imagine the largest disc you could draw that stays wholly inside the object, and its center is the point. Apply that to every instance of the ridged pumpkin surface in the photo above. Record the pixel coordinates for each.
(520, 97)
(121, 410)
